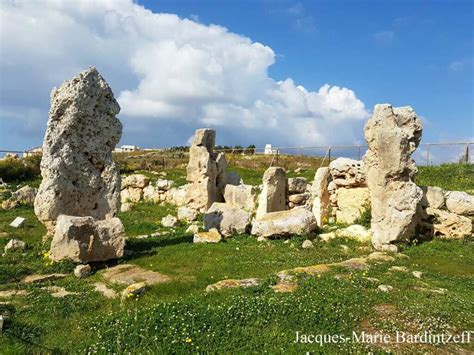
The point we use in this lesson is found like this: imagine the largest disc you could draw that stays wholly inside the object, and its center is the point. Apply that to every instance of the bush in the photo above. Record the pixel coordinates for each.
(365, 217)
(15, 170)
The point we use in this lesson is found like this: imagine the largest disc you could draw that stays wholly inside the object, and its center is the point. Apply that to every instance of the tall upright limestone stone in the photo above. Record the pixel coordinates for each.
(79, 175)
(320, 192)
(206, 172)
(392, 136)
(274, 192)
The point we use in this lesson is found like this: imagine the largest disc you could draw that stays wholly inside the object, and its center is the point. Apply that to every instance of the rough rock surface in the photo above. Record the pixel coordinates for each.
(274, 192)
(449, 225)
(135, 180)
(82, 271)
(432, 197)
(227, 219)
(169, 221)
(79, 176)
(15, 244)
(392, 135)
(241, 196)
(351, 203)
(297, 221)
(297, 185)
(319, 190)
(460, 202)
(25, 195)
(347, 172)
(211, 236)
(85, 239)
(187, 214)
(205, 172)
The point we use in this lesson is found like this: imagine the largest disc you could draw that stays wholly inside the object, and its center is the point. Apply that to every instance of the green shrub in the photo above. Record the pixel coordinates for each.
(365, 217)
(16, 170)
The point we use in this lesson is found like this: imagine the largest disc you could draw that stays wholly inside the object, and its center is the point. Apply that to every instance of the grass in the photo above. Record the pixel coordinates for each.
(180, 317)
(459, 177)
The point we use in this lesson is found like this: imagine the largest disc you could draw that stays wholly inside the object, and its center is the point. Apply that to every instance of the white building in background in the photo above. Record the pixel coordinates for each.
(127, 148)
(269, 150)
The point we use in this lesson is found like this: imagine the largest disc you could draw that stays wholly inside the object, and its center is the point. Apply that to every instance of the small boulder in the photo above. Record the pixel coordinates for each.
(85, 239)
(15, 244)
(449, 225)
(135, 180)
(82, 271)
(134, 290)
(241, 196)
(297, 185)
(226, 219)
(211, 236)
(126, 207)
(432, 197)
(164, 185)
(169, 221)
(298, 199)
(385, 288)
(460, 202)
(192, 229)
(297, 221)
(187, 214)
(307, 244)
(356, 231)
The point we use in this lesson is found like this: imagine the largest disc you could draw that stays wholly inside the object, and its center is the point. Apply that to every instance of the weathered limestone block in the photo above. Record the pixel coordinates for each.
(460, 203)
(241, 196)
(135, 180)
(211, 236)
(392, 135)
(227, 219)
(86, 239)
(298, 199)
(274, 192)
(320, 190)
(177, 195)
(297, 221)
(432, 197)
(351, 203)
(131, 194)
(25, 195)
(151, 193)
(347, 172)
(187, 214)
(297, 185)
(205, 172)
(79, 176)
(449, 225)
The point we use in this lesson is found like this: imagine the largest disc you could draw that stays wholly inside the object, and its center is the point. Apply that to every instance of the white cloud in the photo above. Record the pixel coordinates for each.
(170, 76)
(384, 37)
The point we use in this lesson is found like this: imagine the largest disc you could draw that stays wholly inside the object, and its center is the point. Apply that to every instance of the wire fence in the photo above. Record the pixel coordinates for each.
(427, 154)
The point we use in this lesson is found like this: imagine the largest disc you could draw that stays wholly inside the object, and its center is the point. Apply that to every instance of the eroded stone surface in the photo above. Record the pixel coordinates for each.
(85, 239)
(241, 196)
(392, 135)
(227, 219)
(128, 274)
(297, 221)
(460, 202)
(80, 177)
(274, 192)
(206, 172)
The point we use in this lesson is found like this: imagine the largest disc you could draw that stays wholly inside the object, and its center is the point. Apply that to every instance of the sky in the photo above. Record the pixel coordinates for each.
(289, 73)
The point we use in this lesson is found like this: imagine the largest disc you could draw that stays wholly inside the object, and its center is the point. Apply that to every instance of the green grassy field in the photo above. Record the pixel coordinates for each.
(178, 316)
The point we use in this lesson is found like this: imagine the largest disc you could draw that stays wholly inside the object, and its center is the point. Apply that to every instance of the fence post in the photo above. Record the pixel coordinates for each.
(427, 155)
(466, 155)
(302, 152)
(278, 154)
(329, 155)
(358, 154)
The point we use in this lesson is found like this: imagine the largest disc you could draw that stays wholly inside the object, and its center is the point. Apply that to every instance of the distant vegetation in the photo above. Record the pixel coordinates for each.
(17, 170)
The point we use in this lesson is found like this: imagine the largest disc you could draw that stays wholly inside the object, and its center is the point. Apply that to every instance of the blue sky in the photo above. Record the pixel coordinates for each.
(404, 52)
(282, 72)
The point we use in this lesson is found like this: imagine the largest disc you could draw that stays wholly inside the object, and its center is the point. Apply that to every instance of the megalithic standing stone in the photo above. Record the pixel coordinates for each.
(392, 135)
(79, 175)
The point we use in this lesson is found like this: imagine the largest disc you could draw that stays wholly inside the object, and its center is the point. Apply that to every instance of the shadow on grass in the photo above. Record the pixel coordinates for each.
(144, 247)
